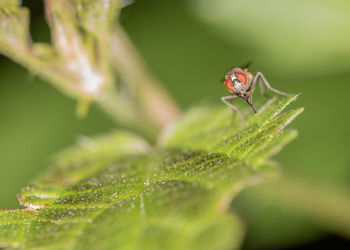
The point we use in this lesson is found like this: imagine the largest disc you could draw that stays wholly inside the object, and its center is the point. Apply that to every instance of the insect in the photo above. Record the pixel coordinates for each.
(241, 83)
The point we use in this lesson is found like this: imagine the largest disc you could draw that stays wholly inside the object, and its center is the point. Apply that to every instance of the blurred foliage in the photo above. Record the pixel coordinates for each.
(75, 62)
(190, 54)
(116, 192)
(306, 35)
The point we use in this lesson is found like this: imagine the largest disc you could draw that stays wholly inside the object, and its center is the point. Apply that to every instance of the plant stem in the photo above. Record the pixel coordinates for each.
(79, 63)
(152, 99)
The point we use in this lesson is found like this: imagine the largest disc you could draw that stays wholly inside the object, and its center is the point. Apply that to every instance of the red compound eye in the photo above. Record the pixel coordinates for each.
(229, 85)
(241, 77)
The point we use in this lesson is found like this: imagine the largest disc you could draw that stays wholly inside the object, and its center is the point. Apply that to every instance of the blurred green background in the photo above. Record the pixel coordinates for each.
(300, 46)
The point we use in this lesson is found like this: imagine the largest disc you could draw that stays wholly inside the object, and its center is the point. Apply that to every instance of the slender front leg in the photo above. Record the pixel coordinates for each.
(255, 80)
(225, 99)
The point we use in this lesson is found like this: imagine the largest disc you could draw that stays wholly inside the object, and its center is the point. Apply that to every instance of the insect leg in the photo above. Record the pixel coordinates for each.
(267, 84)
(225, 99)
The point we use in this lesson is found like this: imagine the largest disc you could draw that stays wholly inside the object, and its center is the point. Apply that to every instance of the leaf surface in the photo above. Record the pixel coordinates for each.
(117, 192)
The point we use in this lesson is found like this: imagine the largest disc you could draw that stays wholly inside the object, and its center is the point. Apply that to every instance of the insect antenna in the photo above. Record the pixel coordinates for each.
(246, 66)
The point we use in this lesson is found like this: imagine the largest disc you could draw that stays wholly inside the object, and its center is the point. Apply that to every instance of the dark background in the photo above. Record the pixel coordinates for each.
(300, 46)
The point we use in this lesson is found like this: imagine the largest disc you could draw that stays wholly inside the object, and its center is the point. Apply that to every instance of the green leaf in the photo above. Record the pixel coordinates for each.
(117, 192)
